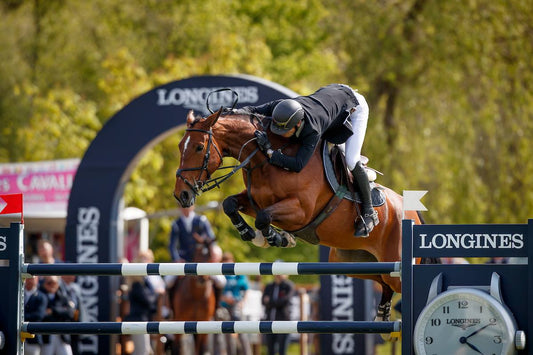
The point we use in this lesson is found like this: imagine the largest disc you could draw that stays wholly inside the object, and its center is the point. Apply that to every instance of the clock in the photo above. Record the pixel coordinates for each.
(467, 320)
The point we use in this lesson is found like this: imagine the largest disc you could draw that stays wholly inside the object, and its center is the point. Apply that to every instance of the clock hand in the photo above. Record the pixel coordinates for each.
(472, 346)
(477, 331)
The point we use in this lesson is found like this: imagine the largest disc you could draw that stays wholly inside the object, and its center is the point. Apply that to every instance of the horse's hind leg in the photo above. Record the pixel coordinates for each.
(384, 307)
(384, 310)
(231, 206)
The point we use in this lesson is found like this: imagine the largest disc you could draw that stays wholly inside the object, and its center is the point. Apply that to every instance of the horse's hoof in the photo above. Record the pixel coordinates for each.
(288, 239)
(259, 240)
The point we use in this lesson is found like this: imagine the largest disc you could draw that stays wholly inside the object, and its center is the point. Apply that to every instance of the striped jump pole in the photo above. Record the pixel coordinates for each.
(208, 327)
(13, 270)
(178, 269)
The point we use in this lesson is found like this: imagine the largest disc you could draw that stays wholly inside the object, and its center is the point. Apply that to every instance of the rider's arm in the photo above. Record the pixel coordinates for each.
(265, 109)
(296, 163)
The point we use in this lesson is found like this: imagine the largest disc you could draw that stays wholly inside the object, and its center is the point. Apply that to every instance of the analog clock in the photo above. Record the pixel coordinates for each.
(467, 320)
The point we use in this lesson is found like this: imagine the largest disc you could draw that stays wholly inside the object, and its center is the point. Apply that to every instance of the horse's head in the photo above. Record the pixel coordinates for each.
(200, 156)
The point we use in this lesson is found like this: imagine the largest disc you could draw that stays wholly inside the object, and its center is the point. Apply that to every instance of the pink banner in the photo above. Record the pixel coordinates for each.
(39, 187)
(45, 185)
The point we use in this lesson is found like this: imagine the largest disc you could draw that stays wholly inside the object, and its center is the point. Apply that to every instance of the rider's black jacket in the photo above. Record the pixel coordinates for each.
(325, 116)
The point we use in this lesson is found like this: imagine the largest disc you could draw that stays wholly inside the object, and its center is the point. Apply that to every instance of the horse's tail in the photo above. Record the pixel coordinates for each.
(427, 260)
(422, 221)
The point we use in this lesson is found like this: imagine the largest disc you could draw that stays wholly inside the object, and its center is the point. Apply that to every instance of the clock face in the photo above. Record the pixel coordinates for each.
(463, 322)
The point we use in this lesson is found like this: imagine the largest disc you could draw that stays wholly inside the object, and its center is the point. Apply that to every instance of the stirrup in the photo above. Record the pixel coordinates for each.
(365, 224)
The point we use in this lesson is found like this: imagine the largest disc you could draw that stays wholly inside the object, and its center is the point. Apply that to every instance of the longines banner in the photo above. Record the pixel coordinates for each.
(471, 240)
(91, 230)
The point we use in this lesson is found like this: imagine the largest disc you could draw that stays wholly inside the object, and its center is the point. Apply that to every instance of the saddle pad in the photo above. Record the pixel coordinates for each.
(377, 195)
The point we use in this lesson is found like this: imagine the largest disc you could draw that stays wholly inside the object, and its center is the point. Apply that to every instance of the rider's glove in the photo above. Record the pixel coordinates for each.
(262, 141)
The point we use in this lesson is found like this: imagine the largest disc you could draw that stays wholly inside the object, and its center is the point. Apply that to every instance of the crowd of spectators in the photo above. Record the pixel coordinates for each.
(146, 298)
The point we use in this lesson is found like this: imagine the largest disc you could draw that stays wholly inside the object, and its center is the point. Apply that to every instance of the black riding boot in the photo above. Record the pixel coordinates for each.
(369, 217)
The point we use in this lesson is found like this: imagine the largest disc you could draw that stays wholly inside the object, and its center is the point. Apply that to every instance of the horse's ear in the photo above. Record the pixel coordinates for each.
(212, 119)
(190, 118)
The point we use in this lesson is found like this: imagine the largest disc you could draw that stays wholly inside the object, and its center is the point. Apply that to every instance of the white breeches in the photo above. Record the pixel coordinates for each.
(354, 144)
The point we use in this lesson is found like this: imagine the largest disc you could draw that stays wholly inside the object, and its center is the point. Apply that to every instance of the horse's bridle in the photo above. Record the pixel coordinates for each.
(199, 186)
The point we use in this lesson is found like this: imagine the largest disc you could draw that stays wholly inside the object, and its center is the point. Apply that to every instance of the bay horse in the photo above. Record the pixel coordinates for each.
(193, 298)
(288, 200)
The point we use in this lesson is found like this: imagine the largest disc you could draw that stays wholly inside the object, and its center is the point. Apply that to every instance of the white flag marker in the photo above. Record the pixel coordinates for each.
(411, 200)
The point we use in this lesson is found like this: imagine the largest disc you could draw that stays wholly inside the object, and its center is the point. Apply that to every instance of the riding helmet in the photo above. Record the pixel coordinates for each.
(285, 116)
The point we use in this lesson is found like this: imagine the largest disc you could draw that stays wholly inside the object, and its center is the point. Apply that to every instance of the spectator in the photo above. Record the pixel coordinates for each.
(157, 282)
(187, 231)
(276, 299)
(446, 260)
(498, 260)
(45, 250)
(70, 288)
(232, 299)
(35, 303)
(60, 308)
(219, 281)
(143, 305)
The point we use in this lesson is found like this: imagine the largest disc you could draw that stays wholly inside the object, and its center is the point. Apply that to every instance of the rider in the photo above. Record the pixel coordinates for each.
(335, 113)
(189, 230)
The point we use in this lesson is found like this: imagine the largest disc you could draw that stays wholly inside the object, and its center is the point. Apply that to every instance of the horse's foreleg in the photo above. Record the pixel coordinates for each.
(272, 236)
(286, 212)
(231, 206)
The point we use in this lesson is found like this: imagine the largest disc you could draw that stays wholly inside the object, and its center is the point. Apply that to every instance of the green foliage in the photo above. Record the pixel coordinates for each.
(62, 125)
(448, 84)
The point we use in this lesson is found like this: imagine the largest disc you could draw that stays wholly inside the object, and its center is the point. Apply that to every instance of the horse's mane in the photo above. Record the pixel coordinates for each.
(239, 115)
(243, 115)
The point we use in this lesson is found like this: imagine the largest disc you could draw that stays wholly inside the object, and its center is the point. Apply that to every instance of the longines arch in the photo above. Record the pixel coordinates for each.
(94, 204)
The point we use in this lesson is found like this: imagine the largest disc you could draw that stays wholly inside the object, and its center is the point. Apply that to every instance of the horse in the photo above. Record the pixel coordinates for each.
(193, 298)
(290, 201)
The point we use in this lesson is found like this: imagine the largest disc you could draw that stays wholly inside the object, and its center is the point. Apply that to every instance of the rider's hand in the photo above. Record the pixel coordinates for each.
(262, 141)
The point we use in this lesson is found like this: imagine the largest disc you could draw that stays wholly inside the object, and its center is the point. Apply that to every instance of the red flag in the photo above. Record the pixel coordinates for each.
(11, 203)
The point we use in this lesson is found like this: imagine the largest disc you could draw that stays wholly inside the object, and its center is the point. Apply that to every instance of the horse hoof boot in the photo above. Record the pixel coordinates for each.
(247, 234)
(383, 313)
(274, 239)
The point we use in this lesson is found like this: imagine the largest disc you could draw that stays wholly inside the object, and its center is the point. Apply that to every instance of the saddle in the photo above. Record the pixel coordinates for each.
(341, 182)
(340, 178)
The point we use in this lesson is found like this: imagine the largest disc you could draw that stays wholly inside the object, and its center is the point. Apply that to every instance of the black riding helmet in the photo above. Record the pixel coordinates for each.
(285, 116)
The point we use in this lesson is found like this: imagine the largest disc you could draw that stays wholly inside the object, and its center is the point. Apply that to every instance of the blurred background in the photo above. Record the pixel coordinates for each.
(449, 85)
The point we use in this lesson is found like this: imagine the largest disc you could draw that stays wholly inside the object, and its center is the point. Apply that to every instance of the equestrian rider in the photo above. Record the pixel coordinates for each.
(335, 113)
(188, 230)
